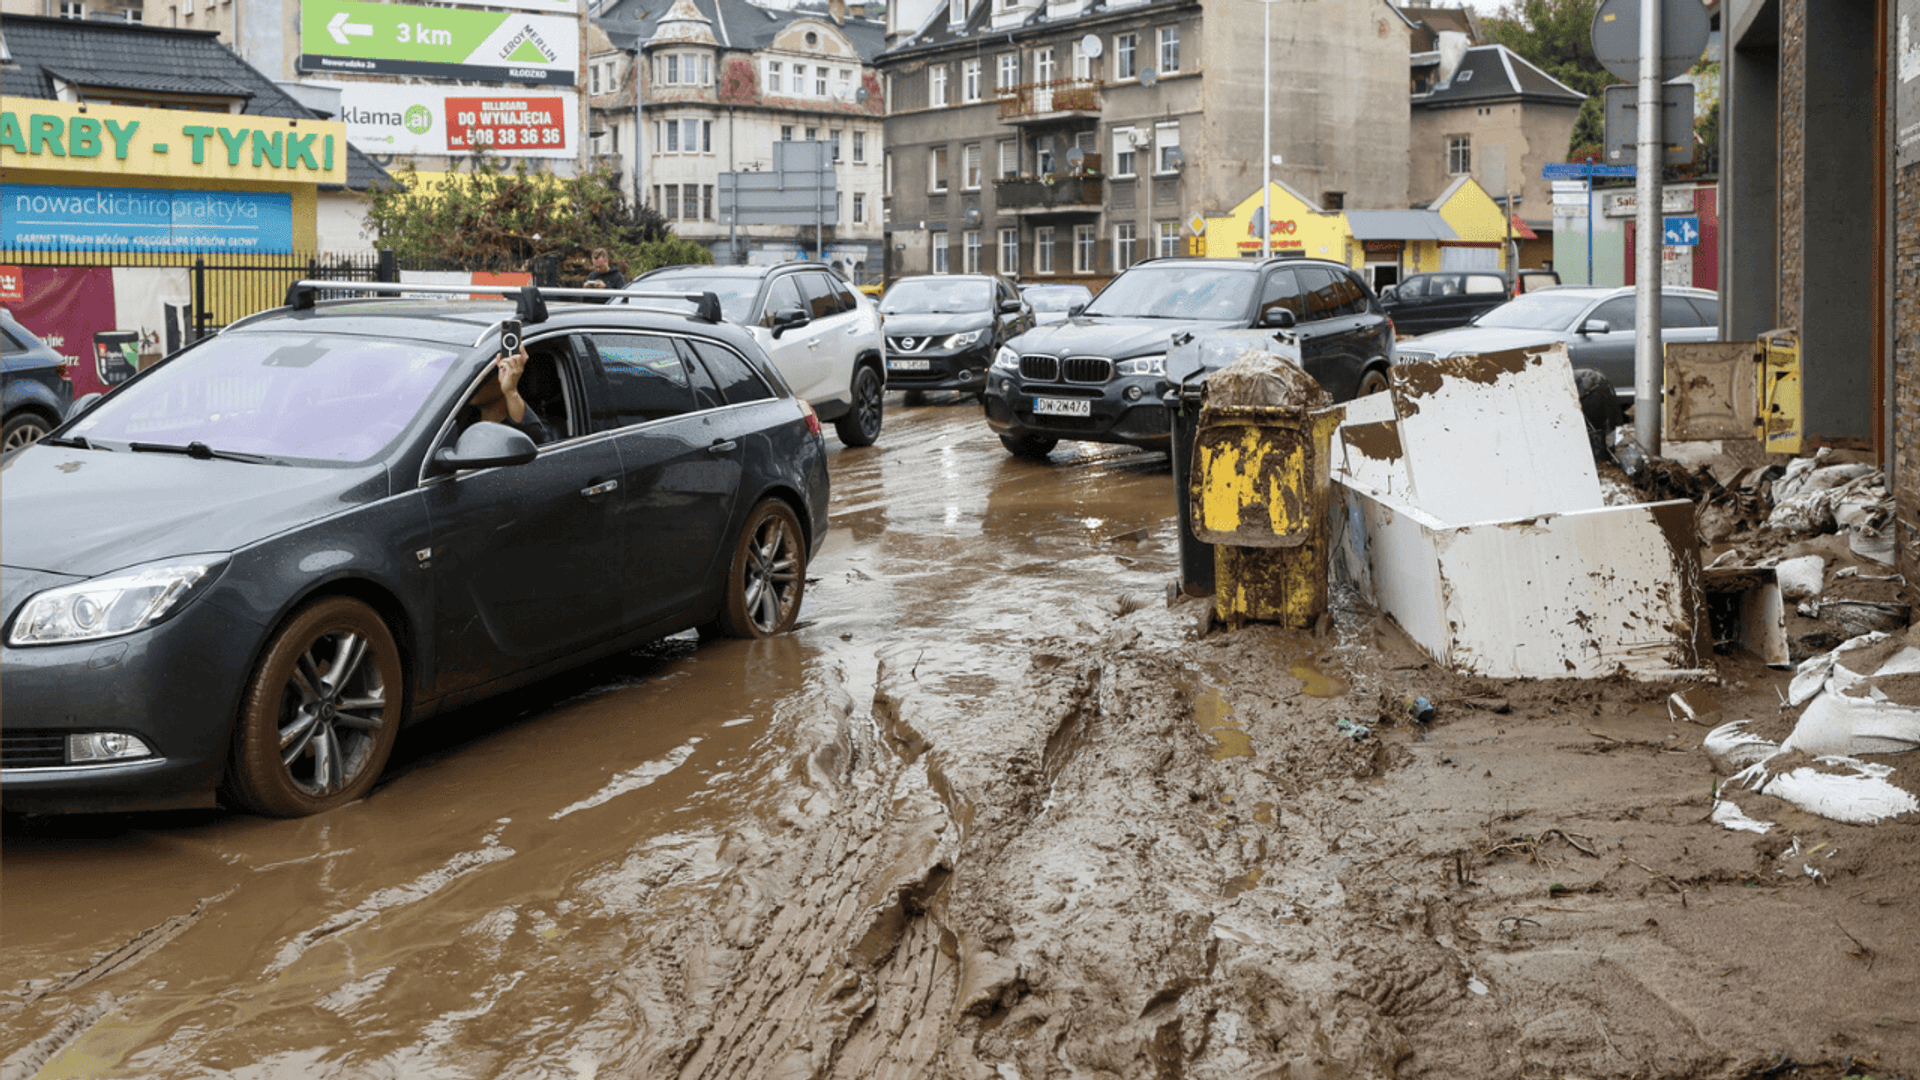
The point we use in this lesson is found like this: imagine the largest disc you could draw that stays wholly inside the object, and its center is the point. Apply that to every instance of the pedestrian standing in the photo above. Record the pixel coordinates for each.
(605, 275)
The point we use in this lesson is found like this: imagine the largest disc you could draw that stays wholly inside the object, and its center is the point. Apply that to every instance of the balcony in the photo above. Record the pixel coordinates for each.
(1041, 102)
(1051, 194)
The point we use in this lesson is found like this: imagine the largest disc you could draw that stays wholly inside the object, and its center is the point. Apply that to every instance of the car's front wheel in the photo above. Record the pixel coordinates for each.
(1036, 447)
(861, 424)
(23, 429)
(321, 715)
(768, 575)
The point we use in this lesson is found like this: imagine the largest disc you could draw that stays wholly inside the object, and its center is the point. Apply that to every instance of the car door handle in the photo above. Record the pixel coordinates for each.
(600, 489)
(721, 446)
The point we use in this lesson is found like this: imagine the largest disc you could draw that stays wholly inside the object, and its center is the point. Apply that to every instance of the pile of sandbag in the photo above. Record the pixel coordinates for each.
(1815, 497)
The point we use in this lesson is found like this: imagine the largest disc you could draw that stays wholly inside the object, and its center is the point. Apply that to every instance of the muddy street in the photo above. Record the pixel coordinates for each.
(996, 809)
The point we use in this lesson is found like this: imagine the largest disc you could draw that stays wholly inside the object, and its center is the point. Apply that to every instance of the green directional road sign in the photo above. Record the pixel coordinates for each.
(349, 36)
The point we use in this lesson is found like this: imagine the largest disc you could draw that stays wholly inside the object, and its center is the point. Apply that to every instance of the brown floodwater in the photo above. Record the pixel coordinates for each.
(471, 916)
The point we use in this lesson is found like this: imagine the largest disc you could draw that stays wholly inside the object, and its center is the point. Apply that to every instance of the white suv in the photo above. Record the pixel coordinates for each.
(823, 337)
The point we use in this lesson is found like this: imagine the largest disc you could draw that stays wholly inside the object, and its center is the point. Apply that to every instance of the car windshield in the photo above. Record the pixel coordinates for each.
(1537, 311)
(1175, 291)
(1055, 297)
(736, 292)
(935, 297)
(293, 398)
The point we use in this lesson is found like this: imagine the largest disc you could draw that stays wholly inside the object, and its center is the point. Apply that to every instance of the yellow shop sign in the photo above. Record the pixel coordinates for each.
(111, 140)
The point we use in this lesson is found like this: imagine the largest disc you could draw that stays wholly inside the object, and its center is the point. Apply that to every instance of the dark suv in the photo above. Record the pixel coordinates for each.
(943, 330)
(34, 389)
(1100, 375)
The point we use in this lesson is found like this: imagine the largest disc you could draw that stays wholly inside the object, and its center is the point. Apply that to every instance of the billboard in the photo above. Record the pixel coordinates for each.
(384, 119)
(354, 37)
(43, 217)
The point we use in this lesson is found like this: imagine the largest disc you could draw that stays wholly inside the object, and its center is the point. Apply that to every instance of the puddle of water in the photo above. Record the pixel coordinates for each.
(1215, 718)
(1314, 682)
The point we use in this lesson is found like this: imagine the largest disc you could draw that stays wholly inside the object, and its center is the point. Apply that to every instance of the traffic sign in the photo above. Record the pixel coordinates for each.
(1616, 37)
(1570, 186)
(1622, 131)
(1681, 232)
(1570, 198)
(1577, 170)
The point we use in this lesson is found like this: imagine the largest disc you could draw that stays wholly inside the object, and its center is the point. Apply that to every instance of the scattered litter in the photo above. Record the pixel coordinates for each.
(1728, 814)
(1733, 748)
(1418, 709)
(1477, 987)
(1354, 731)
(1834, 787)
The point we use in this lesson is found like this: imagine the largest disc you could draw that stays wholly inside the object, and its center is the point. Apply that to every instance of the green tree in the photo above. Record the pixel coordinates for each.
(494, 216)
(1556, 36)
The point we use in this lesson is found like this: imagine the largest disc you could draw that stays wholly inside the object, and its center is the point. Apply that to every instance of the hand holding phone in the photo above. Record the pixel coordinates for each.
(510, 336)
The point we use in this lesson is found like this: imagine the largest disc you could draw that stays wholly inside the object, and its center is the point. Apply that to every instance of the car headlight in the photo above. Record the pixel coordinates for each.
(961, 341)
(1143, 365)
(120, 603)
(1006, 360)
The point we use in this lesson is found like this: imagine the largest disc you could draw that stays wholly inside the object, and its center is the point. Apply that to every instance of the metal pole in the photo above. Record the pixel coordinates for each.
(1647, 358)
(1589, 223)
(1266, 139)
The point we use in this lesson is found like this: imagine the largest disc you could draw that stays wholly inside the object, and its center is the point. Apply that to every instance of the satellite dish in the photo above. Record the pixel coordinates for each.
(1175, 158)
(860, 94)
(1076, 156)
(1148, 76)
(1090, 45)
(973, 215)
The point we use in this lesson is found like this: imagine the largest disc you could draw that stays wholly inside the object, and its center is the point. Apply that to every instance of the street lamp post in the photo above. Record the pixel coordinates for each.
(1266, 136)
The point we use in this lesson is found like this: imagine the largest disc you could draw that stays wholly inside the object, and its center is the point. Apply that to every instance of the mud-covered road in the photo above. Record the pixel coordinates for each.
(996, 809)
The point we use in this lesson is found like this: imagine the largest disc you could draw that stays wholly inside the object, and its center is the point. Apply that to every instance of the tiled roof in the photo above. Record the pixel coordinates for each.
(155, 59)
(1495, 71)
(736, 24)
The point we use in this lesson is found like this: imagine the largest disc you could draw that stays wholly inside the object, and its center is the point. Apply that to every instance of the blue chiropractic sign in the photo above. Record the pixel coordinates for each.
(38, 217)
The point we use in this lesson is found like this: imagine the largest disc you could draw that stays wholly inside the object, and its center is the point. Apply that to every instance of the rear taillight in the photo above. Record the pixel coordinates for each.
(813, 419)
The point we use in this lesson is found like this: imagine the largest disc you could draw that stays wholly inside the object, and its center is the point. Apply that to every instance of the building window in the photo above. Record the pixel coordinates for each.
(1009, 69)
(1169, 50)
(1043, 250)
(1126, 50)
(940, 253)
(971, 161)
(1168, 239)
(1009, 159)
(833, 136)
(673, 139)
(845, 85)
(1043, 65)
(970, 81)
(1010, 251)
(937, 170)
(1166, 147)
(1086, 244)
(1082, 63)
(859, 148)
(1459, 155)
(673, 202)
(937, 85)
(859, 208)
(706, 203)
(593, 79)
(773, 76)
(706, 136)
(706, 70)
(1043, 158)
(134, 15)
(77, 9)
(819, 82)
(971, 238)
(186, 8)
(786, 132)
(813, 134)
(956, 11)
(1124, 163)
(1125, 241)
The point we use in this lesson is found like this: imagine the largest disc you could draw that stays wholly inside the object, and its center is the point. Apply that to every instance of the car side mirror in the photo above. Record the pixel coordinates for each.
(1075, 310)
(1596, 326)
(789, 318)
(485, 445)
(1389, 293)
(81, 404)
(1009, 307)
(1278, 318)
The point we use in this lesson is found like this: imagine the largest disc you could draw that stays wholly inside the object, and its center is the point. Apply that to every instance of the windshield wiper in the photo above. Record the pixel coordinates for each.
(198, 450)
(78, 442)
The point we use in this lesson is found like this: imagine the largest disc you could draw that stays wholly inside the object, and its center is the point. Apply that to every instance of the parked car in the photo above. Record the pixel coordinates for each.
(1424, 303)
(243, 571)
(1054, 303)
(1596, 325)
(34, 389)
(1100, 375)
(942, 330)
(823, 336)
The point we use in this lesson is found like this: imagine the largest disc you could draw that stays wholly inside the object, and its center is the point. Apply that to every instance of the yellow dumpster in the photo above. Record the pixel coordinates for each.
(1259, 492)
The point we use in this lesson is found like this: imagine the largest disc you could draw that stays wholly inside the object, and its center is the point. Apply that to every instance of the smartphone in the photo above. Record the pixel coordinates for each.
(510, 336)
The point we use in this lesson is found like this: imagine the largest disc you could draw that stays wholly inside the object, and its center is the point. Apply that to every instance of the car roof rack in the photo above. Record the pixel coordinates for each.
(529, 300)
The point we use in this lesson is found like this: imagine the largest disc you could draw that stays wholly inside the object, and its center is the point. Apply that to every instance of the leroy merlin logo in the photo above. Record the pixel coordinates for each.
(419, 119)
(528, 47)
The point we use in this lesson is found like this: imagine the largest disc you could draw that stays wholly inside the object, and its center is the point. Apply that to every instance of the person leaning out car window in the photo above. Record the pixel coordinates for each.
(498, 401)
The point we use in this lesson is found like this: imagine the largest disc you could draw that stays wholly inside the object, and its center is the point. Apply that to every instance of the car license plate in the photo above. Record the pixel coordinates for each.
(1053, 406)
(909, 365)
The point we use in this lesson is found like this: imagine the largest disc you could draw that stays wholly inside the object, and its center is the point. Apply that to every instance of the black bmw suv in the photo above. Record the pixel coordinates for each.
(1100, 375)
